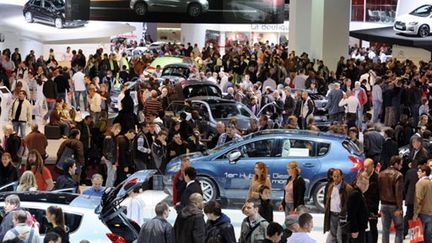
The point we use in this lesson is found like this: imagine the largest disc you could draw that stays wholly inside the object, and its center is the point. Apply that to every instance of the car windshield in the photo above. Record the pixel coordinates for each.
(422, 11)
(224, 110)
(226, 145)
(176, 71)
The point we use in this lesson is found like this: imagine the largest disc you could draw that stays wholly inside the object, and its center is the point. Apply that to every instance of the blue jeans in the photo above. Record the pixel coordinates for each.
(78, 99)
(376, 112)
(50, 107)
(21, 126)
(387, 218)
(427, 227)
(359, 121)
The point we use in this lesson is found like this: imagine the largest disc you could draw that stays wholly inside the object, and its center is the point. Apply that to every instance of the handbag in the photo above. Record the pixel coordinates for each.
(67, 153)
(415, 231)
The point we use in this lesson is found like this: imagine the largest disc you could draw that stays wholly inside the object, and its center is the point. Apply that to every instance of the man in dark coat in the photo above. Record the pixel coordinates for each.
(357, 210)
(192, 186)
(389, 148)
(157, 229)
(189, 226)
(218, 225)
(12, 203)
(373, 142)
(410, 180)
(372, 199)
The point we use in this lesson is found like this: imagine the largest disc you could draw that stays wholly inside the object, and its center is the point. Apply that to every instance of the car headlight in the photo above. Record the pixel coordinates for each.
(204, 2)
(413, 23)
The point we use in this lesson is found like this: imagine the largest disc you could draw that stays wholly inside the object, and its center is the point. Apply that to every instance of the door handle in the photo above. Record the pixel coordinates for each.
(309, 165)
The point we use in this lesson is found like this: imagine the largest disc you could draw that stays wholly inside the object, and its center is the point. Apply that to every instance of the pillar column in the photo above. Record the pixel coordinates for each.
(320, 28)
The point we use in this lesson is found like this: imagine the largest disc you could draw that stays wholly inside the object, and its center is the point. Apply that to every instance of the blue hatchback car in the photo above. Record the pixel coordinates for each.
(225, 172)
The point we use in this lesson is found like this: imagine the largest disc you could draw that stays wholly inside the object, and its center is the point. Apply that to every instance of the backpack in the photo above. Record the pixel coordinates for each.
(31, 221)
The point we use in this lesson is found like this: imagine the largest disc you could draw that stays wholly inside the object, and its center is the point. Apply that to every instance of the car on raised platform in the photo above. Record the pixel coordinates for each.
(49, 11)
(193, 8)
(418, 22)
(225, 171)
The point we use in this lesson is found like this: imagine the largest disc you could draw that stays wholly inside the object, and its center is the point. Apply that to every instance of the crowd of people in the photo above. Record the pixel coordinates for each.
(384, 99)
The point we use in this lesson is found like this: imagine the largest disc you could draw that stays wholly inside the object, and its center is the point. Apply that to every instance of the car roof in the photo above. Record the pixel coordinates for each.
(191, 82)
(45, 197)
(326, 135)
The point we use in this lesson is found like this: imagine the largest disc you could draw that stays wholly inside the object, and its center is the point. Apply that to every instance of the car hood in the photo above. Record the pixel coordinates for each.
(406, 18)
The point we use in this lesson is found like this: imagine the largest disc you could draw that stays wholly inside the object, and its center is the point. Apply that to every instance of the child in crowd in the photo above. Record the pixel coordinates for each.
(266, 207)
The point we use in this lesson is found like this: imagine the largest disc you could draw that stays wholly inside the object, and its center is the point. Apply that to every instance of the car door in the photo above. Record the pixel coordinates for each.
(301, 150)
(35, 8)
(236, 175)
(46, 11)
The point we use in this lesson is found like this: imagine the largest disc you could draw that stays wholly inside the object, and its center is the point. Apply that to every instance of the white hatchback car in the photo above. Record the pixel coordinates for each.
(418, 22)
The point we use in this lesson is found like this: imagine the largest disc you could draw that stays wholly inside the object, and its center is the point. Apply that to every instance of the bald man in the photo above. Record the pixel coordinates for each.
(372, 199)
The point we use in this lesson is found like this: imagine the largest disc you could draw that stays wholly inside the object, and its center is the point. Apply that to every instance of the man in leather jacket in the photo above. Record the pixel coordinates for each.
(391, 196)
(336, 206)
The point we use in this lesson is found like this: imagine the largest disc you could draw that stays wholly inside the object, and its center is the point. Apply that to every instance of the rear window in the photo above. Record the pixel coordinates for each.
(201, 90)
(351, 147)
(176, 71)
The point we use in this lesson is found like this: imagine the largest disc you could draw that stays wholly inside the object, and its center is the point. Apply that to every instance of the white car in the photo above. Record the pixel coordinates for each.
(418, 22)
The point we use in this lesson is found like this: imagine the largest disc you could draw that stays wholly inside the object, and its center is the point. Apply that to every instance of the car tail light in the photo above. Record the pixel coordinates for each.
(115, 238)
(357, 163)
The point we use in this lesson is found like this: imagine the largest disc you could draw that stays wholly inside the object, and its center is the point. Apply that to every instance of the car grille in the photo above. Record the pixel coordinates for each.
(400, 25)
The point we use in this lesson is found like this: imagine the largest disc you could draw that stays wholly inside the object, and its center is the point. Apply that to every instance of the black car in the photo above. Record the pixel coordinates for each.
(49, 11)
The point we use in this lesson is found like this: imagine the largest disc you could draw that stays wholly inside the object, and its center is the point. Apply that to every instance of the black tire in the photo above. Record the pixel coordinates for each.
(423, 31)
(318, 196)
(140, 8)
(29, 17)
(208, 188)
(194, 10)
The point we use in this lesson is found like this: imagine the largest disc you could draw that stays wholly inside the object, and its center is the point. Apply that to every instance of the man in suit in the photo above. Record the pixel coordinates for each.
(357, 210)
(192, 186)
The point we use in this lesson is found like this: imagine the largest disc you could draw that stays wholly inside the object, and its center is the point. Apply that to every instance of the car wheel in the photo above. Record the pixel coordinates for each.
(29, 17)
(423, 31)
(58, 23)
(140, 8)
(194, 10)
(318, 196)
(208, 188)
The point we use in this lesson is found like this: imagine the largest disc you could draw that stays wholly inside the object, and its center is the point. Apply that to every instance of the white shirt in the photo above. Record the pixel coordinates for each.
(335, 202)
(135, 210)
(67, 56)
(119, 99)
(352, 103)
(78, 80)
(95, 102)
(302, 237)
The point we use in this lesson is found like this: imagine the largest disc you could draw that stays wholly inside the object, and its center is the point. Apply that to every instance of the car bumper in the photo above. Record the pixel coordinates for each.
(406, 29)
(75, 23)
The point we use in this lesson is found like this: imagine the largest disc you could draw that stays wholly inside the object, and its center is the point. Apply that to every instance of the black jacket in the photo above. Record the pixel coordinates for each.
(194, 187)
(410, 180)
(189, 226)
(220, 230)
(50, 89)
(63, 234)
(389, 148)
(358, 214)
(299, 189)
(372, 194)
(65, 181)
(8, 174)
(13, 144)
(266, 210)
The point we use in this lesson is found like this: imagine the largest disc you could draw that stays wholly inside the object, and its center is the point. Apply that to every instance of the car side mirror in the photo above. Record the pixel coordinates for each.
(234, 156)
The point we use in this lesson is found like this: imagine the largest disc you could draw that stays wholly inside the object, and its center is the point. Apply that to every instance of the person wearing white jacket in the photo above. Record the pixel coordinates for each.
(94, 103)
(21, 113)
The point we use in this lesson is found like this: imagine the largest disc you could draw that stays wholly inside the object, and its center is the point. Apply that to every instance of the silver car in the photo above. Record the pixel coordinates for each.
(193, 8)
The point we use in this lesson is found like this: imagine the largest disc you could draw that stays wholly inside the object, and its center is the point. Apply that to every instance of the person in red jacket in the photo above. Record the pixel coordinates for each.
(179, 184)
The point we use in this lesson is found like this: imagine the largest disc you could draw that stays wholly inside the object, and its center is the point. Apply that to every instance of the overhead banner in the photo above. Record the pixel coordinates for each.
(179, 11)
